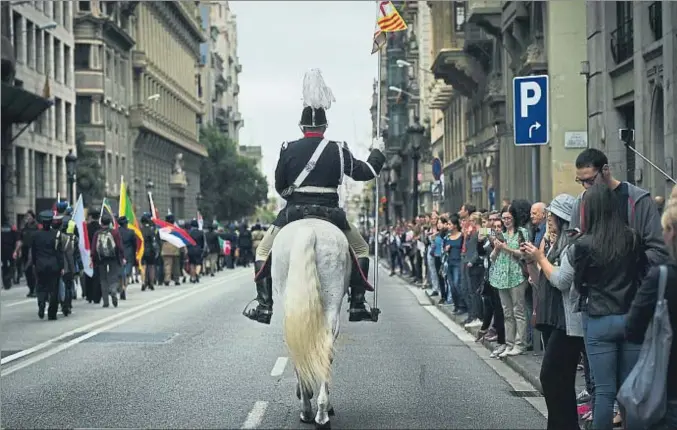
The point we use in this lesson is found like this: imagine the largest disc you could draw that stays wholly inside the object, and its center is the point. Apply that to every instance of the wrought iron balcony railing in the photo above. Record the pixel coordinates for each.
(622, 39)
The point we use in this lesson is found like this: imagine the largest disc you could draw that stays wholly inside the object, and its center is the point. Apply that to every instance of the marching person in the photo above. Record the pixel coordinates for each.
(213, 249)
(108, 258)
(129, 248)
(196, 252)
(308, 174)
(151, 251)
(46, 256)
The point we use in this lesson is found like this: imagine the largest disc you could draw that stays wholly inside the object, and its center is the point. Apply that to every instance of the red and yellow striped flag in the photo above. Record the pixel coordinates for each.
(388, 20)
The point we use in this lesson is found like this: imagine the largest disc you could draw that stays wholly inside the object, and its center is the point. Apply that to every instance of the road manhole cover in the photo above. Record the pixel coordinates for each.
(130, 337)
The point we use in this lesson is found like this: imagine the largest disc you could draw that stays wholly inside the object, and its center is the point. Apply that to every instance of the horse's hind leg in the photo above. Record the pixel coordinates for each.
(306, 408)
(322, 416)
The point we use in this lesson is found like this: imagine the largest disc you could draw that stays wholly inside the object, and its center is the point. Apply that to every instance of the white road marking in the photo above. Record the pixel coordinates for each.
(278, 368)
(515, 380)
(255, 416)
(99, 330)
(180, 294)
(20, 302)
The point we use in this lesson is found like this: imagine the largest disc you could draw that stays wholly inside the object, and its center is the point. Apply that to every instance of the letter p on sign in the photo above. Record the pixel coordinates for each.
(530, 95)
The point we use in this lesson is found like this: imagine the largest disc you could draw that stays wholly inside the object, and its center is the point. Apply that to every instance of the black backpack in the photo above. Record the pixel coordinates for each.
(150, 243)
(105, 245)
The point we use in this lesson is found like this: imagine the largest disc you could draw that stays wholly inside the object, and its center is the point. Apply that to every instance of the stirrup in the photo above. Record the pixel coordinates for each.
(256, 314)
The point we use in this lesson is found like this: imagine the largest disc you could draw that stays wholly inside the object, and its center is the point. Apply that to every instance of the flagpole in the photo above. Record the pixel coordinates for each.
(375, 310)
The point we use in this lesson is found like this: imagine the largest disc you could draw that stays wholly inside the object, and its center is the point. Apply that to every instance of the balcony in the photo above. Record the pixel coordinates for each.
(236, 89)
(221, 116)
(238, 68)
(485, 14)
(236, 117)
(458, 69)
(622, 40)
(478, 44)
(440, 95)
(656, 19)
(221, 84)
(139, 61)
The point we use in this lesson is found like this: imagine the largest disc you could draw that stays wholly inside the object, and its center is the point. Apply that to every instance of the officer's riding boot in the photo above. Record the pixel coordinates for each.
(358, 310)
(264, 295)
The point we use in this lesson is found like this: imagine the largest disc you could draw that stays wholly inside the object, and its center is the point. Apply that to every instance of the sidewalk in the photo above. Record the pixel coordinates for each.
(527, 365)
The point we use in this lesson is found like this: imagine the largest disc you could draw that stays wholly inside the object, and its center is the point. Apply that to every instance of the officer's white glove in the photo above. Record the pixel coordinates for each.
(379, 144)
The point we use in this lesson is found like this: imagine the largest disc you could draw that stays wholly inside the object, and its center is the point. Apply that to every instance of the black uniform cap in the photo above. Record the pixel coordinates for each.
(313, 117)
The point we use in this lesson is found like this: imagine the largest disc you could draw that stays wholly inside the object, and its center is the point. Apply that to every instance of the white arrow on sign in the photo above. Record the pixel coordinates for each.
(534, 126)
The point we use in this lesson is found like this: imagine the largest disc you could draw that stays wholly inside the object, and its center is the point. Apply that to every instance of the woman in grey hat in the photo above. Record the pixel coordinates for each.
(562, 328)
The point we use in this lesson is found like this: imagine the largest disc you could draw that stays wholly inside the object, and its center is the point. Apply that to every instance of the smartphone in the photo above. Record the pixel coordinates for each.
(484, 231)
(500, 236)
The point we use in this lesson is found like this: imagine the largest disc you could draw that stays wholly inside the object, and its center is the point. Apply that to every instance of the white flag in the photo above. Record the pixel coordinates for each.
(83, 243)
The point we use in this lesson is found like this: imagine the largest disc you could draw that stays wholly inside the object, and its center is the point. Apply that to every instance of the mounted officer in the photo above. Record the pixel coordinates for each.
(308, 175)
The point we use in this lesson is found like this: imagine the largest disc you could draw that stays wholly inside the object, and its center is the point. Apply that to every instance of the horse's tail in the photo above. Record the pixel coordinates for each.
(306, 331)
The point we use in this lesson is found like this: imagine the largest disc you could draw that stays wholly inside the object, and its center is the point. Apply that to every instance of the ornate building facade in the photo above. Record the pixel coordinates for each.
(104, 39)
(167, 107)
(34, 166)
(632, 49)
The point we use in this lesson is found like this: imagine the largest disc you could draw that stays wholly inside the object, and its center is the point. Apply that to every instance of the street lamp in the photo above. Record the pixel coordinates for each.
(402, 63)
(71, 162)
(149, 185)
(198, 201)
(415, 132)
(401, 91)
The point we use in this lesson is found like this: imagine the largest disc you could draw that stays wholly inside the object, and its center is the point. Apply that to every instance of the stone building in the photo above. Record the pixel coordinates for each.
(226, 68)
(166, 108)
(253, 152)
(104, 39)
(41, 35)
(632, 48)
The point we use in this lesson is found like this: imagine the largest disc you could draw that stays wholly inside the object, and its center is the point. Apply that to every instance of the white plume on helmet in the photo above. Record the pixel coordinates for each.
(316, 93)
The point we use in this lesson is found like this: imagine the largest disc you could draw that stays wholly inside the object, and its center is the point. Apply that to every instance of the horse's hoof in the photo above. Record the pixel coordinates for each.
(325, 426)
(306, 418)
(331, 412)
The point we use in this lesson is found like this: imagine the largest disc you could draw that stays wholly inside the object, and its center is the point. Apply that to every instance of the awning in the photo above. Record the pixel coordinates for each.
(457, 69)
(20, 106)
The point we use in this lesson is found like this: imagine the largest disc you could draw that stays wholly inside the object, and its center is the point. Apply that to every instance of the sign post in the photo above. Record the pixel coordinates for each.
(531, 119)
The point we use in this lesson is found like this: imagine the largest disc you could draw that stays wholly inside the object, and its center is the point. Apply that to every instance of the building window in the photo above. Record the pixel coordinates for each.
(39, 50)
(58, 11)
(19, 160)
(69, 119)
(459, 15)
(82, 54)
(40, 166)
(17, 38)
(47, 44)
(83, 110)
(58, 124)
(30, 45)
(57, 57)
(84, 6)
(66, 65)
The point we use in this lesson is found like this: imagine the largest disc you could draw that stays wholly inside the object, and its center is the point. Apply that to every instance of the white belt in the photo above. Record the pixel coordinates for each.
(316, 190)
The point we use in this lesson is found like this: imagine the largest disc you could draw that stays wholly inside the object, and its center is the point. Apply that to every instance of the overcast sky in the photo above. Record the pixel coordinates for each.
(278, 41)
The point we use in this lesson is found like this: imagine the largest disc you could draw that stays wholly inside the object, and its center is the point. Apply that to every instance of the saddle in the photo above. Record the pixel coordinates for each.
(336, 216)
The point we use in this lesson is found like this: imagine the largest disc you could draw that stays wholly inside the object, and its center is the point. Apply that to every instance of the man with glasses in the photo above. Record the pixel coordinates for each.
(592, 167)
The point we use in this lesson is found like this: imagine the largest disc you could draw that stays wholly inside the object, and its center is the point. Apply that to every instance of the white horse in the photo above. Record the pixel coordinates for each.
(311, 269)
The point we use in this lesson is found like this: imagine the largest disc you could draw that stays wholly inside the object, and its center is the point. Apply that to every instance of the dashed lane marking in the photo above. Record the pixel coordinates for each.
(255, 416)
(278, 368)
(20, 302)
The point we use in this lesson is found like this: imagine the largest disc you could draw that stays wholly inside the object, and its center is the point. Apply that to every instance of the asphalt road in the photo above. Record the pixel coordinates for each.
(193, 361)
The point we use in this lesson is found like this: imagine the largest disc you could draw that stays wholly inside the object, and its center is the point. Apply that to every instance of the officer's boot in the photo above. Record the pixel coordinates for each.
(358, 310)
(264, 294)
(42, 302)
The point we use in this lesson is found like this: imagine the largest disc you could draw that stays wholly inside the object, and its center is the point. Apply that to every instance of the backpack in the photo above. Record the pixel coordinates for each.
(105, 245)
(151, 246)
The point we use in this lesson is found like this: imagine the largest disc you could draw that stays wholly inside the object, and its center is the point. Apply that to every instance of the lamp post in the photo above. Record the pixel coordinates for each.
(385, 171)
(415, 132)
(71, 165)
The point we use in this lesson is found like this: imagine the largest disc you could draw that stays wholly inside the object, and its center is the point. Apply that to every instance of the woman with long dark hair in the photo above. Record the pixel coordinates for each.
(561, 327)
(608, 261)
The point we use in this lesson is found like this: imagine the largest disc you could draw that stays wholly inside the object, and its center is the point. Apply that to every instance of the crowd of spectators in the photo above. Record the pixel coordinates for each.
(570, 269)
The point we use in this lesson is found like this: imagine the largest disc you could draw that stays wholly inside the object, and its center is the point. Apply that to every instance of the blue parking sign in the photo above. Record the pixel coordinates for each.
(530, 110)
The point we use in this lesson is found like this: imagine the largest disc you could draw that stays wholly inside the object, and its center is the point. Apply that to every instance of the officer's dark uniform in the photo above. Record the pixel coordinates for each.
(48, 260)
(316, 196)
(151, 250)
(196, 252)
(93, 284)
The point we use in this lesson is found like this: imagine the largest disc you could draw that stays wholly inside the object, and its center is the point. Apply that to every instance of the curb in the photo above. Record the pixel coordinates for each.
(512, 362)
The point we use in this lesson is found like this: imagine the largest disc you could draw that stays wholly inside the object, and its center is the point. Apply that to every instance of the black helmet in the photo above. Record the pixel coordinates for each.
(146, 217)
(170, 218)
(45, 217)
(122, 220)
(194, 223)
(94, 212)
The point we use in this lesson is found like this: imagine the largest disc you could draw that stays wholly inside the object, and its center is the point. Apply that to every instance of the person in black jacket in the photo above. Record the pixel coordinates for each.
(93, 285)
(151, 251)
(48, 260)
(128, 238)
(245, 244)
(23, 247)
(9, 241)
(196, 252)
(213, 249)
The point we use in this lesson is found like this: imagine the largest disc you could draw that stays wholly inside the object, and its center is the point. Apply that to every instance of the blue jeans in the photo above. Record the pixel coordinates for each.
(454, 281)
(432, 273)
(611, 359)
